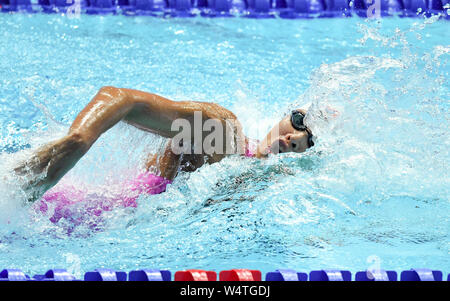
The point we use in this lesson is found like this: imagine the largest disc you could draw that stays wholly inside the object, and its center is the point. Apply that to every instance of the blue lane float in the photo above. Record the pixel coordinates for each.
(13, 275)
(222, 8)
(286, 275)
(421, 275)
(376, 275)
(149, 275)
(101, 7)
(227, 8)
(143, 7)
(62, 6)
(55, 275)
(387, 7)
(105, 275)
(16, 5)
(278, 275)
(307, 7)
(330, 275)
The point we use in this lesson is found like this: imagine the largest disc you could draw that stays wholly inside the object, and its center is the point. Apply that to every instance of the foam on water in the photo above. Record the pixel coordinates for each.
(375, 184)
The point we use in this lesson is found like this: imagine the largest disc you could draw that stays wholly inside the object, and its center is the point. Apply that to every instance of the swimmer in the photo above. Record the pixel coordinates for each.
(155, 114)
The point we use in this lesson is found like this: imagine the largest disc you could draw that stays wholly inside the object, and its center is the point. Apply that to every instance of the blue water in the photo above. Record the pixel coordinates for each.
(374, 191)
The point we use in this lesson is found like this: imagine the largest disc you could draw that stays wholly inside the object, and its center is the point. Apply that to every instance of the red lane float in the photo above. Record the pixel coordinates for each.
(240, 275)
(195, 275)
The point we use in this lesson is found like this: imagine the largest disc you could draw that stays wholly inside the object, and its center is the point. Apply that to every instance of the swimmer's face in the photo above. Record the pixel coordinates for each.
(284, 138)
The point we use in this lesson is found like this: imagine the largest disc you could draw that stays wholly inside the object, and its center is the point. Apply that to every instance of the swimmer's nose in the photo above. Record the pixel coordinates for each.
(294, 142)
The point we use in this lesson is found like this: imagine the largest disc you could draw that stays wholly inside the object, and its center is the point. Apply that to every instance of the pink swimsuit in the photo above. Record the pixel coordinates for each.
(75, 205)
(69, 202)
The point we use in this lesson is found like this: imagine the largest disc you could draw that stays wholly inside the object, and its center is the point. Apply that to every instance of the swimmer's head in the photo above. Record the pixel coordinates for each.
(289, 135)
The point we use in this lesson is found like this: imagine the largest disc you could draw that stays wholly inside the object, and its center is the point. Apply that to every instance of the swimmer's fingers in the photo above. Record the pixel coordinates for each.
(31, 166)
(49, 164)
(34, 183)
(38, 162)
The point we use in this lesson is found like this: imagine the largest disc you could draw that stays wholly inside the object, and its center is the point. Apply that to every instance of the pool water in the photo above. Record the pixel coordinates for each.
(374, 191)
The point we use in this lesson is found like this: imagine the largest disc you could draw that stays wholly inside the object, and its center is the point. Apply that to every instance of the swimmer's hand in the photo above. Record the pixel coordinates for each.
(49, 164)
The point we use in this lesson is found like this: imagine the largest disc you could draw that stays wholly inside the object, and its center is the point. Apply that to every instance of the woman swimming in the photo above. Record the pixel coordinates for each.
(156, 114)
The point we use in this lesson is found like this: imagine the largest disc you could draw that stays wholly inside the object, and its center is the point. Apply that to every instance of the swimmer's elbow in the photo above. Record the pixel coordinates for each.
(107, 89)
(114, 93)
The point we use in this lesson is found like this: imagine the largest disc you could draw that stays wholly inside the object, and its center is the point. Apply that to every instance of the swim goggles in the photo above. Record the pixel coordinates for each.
(297, 123)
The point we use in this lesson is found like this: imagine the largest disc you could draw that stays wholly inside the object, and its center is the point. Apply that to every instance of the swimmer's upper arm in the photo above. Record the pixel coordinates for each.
(156, 114)
(151, 112)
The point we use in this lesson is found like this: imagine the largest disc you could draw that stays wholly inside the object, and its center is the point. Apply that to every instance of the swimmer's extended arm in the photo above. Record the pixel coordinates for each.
(144, 110)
